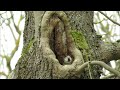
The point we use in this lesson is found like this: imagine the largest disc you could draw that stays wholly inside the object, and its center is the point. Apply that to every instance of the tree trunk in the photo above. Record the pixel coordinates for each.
(57, 43)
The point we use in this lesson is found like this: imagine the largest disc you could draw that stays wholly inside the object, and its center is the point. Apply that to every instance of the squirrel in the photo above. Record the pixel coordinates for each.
(54, 22)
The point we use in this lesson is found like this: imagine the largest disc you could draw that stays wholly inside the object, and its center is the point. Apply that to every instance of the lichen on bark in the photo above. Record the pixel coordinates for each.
(79, 40)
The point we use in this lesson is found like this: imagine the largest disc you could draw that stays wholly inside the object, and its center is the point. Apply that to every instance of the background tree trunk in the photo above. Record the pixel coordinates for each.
(33, 64)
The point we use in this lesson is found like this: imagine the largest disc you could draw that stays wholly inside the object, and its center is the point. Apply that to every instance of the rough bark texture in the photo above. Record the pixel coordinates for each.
(83, 22)
(35, 63)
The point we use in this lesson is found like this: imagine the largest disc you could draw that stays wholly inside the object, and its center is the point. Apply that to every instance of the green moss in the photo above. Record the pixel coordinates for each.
(79, 40)
(27, 47)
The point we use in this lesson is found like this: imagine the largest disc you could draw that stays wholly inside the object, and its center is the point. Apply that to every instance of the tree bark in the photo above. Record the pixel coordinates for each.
(39, 59)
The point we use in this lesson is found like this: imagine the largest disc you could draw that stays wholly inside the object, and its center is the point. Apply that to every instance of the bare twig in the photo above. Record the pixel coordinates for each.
(20, 19)
(110, 18)
(17, 28)
(8, 58)
(99, 21)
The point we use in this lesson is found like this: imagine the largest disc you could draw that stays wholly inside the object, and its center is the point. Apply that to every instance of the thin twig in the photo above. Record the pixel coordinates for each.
(99, 21)
(16, 28)
(109, 18)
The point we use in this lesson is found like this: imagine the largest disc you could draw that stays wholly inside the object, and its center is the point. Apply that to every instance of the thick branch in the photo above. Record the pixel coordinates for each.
(110, 51)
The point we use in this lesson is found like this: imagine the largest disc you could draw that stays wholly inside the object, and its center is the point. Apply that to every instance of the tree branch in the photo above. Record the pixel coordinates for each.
(83, 66)
(2, 73)
(110, 18)
(16, 28)
(109, 51)
(9, 58)
(20, 19)
(108, 76)
(99, 21)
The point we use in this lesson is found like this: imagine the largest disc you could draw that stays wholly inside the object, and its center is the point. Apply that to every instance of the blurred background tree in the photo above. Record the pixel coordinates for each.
(11, 29)
(106, 23)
